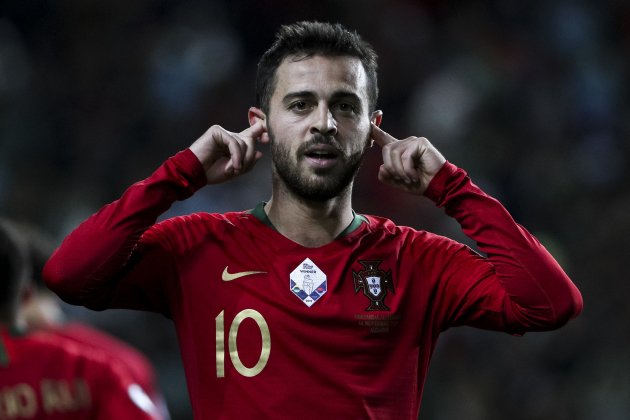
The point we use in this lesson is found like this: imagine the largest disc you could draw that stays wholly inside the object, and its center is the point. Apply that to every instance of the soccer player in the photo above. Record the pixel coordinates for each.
(42, 311)
(45, 376)
(302, 307)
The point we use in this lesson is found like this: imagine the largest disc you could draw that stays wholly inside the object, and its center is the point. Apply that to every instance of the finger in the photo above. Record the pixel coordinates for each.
(387, 158)
(398, 166)
(393, 161)
(380, 137)
(236, 153)
(236, 163)
(254, 131)
(409, 159)
(384, 175)
(257, 132)
(229, 168)
(249, 151)
(249, 136)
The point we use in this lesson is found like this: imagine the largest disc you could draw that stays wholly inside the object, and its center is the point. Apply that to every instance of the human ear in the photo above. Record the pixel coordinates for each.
(256, 114)
(376, 117)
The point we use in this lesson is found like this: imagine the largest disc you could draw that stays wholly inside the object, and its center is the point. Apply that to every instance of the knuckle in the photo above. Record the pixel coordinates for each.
(407, 153)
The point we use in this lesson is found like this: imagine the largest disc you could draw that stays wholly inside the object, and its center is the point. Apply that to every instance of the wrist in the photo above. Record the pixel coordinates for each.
(437, 185)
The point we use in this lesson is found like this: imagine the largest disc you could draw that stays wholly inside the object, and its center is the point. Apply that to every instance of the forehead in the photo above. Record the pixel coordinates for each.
(321, 75)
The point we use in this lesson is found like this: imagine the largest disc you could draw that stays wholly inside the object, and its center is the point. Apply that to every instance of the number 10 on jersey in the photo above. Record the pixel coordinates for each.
(232, 347)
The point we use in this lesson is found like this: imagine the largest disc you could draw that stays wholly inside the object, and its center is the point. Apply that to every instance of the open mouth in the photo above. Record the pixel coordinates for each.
(322, 151)
(321, 155)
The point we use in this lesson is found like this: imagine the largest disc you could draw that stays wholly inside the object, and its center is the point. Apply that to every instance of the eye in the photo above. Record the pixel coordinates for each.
(345, 107)
(298, 106)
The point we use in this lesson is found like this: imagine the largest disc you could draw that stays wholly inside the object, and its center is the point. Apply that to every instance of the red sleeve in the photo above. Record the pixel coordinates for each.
(86, 269)
(519, 277)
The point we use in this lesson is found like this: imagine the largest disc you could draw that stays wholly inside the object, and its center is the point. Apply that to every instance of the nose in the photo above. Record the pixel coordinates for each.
(324, 122)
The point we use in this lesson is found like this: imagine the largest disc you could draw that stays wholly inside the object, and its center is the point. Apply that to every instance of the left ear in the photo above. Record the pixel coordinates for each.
(256, 114)
(376, 117)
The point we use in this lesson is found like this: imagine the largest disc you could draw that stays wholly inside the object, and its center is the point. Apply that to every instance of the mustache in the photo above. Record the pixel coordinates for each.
(319, 139)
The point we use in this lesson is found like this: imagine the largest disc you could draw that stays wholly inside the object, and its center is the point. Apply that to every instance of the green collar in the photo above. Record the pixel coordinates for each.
(259, 213)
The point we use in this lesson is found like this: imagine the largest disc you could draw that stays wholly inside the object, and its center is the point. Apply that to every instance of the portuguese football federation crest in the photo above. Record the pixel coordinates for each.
(308, 282)
(375, 284)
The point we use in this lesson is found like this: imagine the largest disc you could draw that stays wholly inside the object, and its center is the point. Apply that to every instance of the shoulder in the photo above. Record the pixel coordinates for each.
(384, 226)
(185, 232)
(93, 337)
(406, 236)
(99, 367)
(71, 349)
(53, 352)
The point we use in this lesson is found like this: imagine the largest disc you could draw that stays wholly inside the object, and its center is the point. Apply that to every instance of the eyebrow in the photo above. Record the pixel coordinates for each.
(300, 94)
(341, 94)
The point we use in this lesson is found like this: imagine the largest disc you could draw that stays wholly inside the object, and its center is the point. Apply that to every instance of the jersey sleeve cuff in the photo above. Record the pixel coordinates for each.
(439, 184)
(189, 165)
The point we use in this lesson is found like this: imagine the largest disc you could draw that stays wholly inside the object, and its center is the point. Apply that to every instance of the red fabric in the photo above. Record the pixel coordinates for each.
(138, 366)
(336, 358)
(50, 377)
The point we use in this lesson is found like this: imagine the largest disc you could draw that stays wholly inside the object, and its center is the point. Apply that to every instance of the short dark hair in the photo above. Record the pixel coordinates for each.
(311, 38)
(13, 266)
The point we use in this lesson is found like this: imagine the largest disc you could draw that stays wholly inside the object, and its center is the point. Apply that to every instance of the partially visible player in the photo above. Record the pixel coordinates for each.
(46, 376)
(43, 311)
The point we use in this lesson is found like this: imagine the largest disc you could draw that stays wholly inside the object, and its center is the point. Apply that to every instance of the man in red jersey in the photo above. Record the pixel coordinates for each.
(302, 308)
(43, 311)
(45, 376)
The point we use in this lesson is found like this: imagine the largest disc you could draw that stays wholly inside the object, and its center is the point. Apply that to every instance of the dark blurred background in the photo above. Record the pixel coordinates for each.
(532, 98)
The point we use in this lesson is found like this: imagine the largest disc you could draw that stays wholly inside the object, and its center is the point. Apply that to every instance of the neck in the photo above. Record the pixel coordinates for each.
(310, 223)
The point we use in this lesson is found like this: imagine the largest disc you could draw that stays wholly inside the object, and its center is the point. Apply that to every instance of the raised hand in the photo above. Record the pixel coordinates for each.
(225, 155)
(408, 164)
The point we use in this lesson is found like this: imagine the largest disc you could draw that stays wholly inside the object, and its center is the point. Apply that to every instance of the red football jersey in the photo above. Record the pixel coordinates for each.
(44, 376)
(271, 329)
(138, 366)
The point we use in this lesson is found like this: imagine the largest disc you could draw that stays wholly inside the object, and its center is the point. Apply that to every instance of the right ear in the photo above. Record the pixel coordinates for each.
(256, 114)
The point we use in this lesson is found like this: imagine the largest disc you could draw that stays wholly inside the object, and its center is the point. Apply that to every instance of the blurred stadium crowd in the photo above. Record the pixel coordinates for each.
(532, 98)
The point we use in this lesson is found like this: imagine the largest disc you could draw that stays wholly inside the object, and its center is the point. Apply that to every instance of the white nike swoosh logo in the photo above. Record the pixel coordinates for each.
(227, 276)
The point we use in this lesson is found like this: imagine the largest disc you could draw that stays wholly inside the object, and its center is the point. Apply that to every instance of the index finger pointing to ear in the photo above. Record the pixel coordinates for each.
(381, 137)
(254, 131)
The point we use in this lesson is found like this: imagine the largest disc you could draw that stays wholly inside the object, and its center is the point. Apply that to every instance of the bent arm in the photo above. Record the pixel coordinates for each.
(87, 268)
(535, 292)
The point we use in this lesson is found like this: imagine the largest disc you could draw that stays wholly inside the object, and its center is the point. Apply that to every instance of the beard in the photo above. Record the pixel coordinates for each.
(324, 184)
